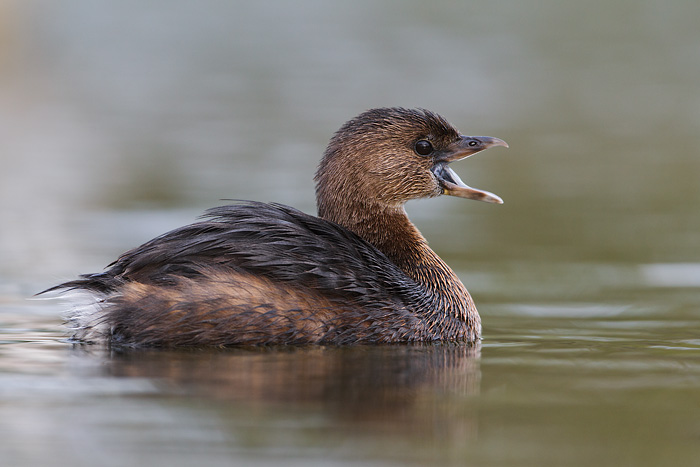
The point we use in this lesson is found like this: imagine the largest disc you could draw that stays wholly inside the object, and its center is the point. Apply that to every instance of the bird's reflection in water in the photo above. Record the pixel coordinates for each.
(405, 388)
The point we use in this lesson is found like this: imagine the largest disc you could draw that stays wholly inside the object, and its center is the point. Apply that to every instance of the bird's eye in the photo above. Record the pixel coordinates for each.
(423, 147)
(473, 143)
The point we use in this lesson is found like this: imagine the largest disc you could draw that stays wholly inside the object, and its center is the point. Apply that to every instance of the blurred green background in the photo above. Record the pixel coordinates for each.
(150, 106)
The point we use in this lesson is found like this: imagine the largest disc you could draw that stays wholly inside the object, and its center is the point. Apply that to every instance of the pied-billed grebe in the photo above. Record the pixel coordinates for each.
(255, 273)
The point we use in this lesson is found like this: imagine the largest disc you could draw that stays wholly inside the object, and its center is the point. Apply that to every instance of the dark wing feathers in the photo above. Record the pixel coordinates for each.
(271, 240)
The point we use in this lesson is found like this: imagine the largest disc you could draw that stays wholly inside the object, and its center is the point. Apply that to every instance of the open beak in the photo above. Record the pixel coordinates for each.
(451, 184)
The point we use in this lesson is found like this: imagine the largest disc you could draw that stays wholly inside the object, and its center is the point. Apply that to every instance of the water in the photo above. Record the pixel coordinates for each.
(121, 121)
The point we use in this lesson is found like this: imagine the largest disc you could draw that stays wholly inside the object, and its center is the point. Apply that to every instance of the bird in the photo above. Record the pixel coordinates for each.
(252, 273)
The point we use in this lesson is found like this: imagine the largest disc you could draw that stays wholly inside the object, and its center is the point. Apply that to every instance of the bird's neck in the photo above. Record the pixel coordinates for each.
(390, 230)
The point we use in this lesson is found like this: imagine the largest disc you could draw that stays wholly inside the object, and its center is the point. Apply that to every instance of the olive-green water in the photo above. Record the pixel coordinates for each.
(121, 120)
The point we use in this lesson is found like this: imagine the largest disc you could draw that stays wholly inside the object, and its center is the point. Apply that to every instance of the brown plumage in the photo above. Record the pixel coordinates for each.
(256, 273)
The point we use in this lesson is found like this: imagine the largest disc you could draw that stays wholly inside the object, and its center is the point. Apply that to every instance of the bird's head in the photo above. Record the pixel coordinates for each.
(385, 157)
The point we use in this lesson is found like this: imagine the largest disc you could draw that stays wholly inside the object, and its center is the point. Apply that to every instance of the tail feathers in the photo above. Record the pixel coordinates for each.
(86, 317)
(100, 283)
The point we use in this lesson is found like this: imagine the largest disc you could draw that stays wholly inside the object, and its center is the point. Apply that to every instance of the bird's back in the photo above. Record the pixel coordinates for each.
(252, 273)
